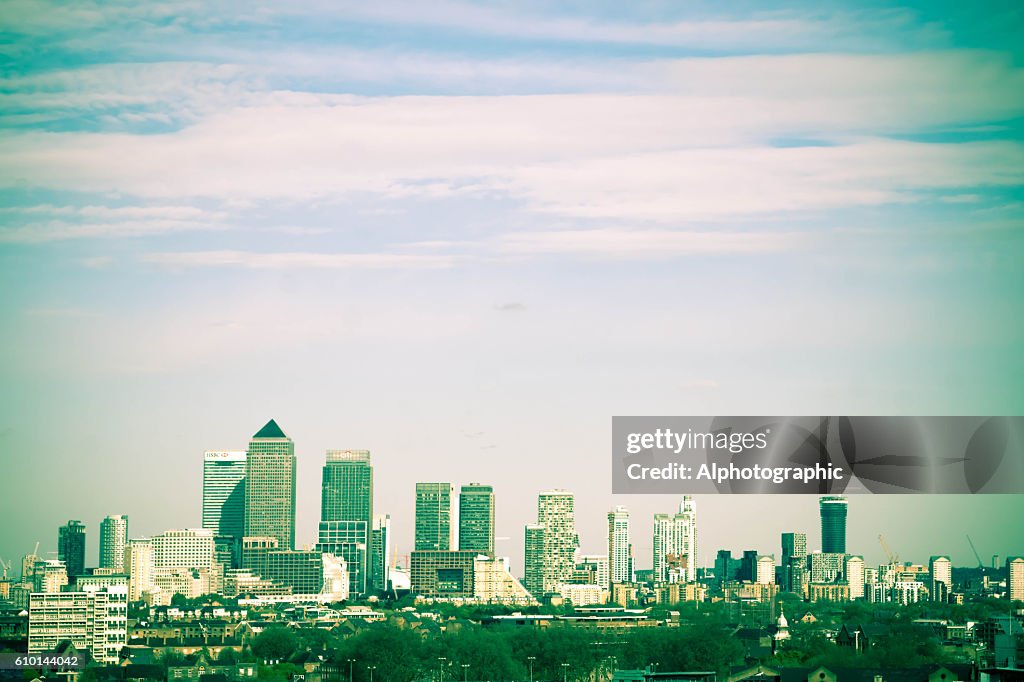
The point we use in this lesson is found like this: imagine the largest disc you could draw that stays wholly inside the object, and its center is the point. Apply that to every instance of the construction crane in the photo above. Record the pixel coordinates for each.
(976, 555)
(893, 559)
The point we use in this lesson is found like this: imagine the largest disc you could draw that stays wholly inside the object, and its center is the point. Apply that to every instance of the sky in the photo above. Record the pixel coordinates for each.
(463, 236)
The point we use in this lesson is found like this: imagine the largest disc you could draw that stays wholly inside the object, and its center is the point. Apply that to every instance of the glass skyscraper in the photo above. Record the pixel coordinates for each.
(833, 524)
(224, 493)
(794, 562)
(346, 513)
(476, 518)
(434, 516)
(270, 486)
(71, 547)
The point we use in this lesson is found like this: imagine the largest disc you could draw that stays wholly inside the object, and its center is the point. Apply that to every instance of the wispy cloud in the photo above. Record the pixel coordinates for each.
(647, 244)
(37, 224)
(295, 260)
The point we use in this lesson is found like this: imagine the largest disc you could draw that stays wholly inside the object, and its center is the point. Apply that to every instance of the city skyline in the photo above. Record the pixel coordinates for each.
(644, 538)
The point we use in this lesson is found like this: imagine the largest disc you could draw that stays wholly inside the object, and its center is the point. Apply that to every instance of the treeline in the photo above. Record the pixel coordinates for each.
(402, 654)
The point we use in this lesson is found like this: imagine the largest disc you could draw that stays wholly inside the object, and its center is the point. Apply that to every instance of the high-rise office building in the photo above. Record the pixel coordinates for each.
(556, 514)
(940, 570)
(270, 486)
(346, 513)
(348, 540)
(113, 536)
(434, 516)
(224, 493)
(675, 544)
(794, 562)
(71, 547)
(380, 553)
(139, 560)
(833, 523)
(595, 565)
(476, 518)
(620, 549)
(533, 576)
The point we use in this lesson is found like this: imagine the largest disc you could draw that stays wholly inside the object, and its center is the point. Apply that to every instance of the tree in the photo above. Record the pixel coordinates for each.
(275, 643)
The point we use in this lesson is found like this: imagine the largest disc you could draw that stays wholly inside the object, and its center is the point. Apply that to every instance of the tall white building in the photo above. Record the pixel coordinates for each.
(113, 535)
(675, 544)
(765, 570)
(940, 570)
(555, 532)
(855, 576)
(94, 619)
(224, 492)
(139, 560)
(1015, 583)
(620, 549)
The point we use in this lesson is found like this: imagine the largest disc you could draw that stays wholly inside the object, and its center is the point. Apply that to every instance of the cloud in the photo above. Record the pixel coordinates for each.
(512, 307)
(702, 148)
(295, 260)
(620, 244)
(37, 224)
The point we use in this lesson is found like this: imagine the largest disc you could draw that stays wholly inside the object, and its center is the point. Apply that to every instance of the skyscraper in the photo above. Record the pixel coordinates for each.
(1015, 580)
(533, 576)
(71, 547)
(556, 515)
(224, 493)
(113, 536)
(347, 490)
(675, 544)
(380, 553)
(794, 562)
(346, 513)
(476, 518)
(620, 550)
(139, 560)
(434, 516)
(940, 569)
(270, 486)
(833, 524)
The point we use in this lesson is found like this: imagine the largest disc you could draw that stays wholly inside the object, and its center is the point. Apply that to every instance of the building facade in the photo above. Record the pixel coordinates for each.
(224, 492)
(270, 486)
(93, 619)
(71, 547)
(380, 554)
(940, 572)
(346, 505)
(476, 518)
(675, 544)
(434, 516)
(620, 549)
(833, 523)
(113, 536)
(794, 562)
(556, 514)
(139, 562)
